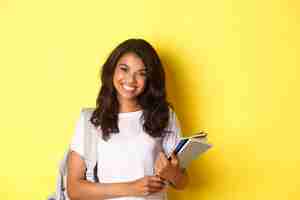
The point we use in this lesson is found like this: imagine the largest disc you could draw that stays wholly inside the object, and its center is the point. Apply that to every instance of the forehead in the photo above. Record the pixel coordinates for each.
(131, 60)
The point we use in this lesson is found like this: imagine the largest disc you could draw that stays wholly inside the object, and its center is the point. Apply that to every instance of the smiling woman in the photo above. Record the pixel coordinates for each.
(132, 78)
(137, 131)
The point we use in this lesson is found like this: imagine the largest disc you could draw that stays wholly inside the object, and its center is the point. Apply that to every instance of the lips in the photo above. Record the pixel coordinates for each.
(128, 88)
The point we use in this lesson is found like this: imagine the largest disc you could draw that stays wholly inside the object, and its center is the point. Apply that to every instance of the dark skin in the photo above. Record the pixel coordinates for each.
(170, 171)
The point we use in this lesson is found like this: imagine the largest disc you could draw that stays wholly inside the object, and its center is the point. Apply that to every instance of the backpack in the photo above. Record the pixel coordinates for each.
(90, 159)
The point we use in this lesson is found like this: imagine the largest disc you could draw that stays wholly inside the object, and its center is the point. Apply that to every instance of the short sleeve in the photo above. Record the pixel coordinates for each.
(172, 138)
(77, 141)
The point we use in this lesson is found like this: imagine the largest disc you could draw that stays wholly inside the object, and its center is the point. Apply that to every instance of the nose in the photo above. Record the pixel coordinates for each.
(130, 78)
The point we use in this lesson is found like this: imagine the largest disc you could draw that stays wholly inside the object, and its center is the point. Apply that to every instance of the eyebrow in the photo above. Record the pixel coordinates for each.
(123, 64)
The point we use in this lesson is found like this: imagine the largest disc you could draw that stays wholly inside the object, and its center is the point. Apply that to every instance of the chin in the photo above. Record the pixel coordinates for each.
(128, 96)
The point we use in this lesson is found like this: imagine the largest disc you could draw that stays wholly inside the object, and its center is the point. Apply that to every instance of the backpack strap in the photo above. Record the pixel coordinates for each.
(61, 180)
(90, 145)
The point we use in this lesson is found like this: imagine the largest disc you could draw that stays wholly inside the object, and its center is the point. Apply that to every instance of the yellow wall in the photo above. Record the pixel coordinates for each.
(232, 70)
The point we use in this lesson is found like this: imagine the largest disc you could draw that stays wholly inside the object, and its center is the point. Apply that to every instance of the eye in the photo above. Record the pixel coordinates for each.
(142, 73)
(124, 69)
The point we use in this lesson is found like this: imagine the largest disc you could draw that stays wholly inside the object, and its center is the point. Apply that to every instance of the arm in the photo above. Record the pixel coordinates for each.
(170, 171)
(80, 189)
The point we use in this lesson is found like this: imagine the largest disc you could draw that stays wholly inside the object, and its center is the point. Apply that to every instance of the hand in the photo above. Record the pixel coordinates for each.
(167, 169)
(147, 185)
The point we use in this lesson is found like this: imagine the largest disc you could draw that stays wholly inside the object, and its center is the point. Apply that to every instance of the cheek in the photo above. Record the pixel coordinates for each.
(118, 76)
(142, 84)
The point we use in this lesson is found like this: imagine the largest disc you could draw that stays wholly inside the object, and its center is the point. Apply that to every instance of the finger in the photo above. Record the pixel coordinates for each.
(161, 179)
(159, 166)
(156, 186)
(163, 159)
(155, 179)
(154, 190)
(174, 159)
(173, 156)
(163, 156)
(162, 174)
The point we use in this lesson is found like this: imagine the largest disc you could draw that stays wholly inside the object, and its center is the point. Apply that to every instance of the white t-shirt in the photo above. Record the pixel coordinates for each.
(131, 153)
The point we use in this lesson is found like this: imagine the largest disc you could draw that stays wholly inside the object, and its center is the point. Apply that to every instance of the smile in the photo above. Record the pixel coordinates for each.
(128, 88)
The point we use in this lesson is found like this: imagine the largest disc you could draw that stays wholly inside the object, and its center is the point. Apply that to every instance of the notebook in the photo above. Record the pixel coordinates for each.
(190, 148)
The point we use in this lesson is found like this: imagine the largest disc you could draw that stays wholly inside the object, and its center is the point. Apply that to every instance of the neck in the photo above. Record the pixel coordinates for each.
(129, 106)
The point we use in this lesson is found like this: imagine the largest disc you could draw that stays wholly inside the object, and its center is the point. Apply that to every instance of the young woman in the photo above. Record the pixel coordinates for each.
(138, 131)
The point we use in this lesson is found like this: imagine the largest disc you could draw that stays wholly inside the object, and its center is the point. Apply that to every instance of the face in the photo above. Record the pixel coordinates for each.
(129, 77)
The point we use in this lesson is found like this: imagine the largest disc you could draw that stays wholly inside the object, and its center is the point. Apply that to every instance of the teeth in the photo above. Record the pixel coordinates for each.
(128, 88)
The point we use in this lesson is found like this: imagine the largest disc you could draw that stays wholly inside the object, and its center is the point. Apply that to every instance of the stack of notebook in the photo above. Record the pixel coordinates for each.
(189, 148)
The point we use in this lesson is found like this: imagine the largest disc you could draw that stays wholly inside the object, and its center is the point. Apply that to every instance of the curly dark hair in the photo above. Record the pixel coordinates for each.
(152, 100)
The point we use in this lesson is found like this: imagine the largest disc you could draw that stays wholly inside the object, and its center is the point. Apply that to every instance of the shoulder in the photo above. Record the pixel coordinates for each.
(86, 114)
(87, 110)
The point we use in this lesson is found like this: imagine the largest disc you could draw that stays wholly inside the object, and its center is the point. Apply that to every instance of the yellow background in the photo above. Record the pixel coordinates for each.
(232, 69)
